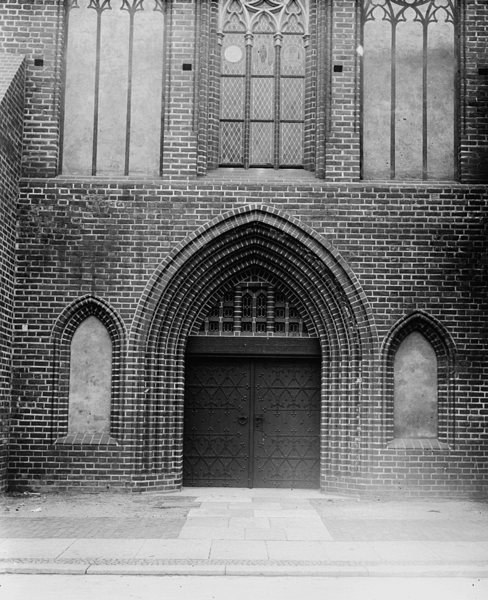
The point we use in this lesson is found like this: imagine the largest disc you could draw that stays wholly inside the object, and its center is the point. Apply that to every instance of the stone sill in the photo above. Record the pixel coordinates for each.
(417, 444)
(270, 178)
(86, 439)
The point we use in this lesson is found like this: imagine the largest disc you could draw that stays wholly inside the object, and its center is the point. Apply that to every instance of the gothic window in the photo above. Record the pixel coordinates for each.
(254, 308)
(90, 379)
(113, 87)
(262, 114)
(409, 83)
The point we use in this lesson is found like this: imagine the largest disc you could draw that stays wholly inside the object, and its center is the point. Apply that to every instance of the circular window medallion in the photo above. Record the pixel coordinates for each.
(233, 53)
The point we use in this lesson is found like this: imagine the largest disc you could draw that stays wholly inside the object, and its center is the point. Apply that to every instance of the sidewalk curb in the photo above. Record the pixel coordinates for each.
(244, 570)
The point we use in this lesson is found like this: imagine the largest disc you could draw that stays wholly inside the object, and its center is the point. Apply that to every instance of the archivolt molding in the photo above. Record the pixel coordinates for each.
(218, 255)
(319, 251)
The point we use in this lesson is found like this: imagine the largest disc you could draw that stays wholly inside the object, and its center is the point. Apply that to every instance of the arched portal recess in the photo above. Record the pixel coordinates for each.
(218, 257)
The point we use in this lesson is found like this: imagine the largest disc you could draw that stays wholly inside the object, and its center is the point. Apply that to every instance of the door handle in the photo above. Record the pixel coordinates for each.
(258, 422)
(242, 420)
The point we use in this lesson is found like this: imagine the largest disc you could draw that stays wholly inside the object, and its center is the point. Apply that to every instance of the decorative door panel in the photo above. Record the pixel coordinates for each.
(287, 424)
(270, 406)
(216, 423)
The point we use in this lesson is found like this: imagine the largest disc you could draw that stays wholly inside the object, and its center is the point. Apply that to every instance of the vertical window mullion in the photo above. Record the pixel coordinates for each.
(270, 316)
(132, 11)
(254, 312)
(238, 309)
(277, 99)
(100, 8)
(247, 104)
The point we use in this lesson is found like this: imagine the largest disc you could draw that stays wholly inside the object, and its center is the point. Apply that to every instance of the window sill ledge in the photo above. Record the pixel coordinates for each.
(417, 444)
(86, 439)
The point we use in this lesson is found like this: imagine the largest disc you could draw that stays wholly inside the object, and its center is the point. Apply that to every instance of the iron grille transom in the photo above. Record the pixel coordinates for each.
(254, 307)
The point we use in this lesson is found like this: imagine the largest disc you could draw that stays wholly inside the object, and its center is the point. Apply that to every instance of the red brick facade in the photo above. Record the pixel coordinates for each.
(371, 261)
(11, 118)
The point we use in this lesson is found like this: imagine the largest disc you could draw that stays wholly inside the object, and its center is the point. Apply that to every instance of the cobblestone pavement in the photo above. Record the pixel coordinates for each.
(254, 532)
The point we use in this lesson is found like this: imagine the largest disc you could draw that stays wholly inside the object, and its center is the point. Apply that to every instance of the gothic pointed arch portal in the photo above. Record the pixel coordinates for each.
(234, 249)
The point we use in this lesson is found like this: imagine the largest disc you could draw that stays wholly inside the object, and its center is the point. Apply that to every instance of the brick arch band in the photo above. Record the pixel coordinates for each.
(62, 334)
(216, 257)
(445, 350)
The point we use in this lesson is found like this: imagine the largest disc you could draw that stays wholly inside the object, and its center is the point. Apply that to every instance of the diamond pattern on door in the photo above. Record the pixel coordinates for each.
(216, 440)
(269, 406)
(287, 414)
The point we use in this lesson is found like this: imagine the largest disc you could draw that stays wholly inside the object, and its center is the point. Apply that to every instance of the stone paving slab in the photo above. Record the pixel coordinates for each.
(241, 550)
(307, 533)
(211, 521)
(458, 550)
(296, 550)
(112, 548)
(249, 522)
(265, 534)
(404, 551)
(219, 512)
(290, 522)
(182, 549)
(254, 532)
(34, 548)
(287, 514)
(247, 567)
(44, 569)
(356, 552)
(314, 550)
(212, 533)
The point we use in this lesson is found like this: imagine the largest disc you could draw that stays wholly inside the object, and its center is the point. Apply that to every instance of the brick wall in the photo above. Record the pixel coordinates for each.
(343, 124)
(104, 244)
(473, 151)
(180, 132)
(419, 248)
(11, 121)
(34, 28)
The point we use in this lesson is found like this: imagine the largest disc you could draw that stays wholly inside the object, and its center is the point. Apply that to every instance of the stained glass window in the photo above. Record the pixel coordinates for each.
(263, 82)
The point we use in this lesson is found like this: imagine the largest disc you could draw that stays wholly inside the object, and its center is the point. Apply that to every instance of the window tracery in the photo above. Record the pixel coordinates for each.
(262, 118)
(254, 307)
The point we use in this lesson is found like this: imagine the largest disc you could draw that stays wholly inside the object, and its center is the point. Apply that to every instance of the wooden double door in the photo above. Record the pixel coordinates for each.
(252, 422)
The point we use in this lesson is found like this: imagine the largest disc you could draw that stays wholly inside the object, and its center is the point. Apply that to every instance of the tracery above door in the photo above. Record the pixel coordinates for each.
(263, 68)
(254, 307)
